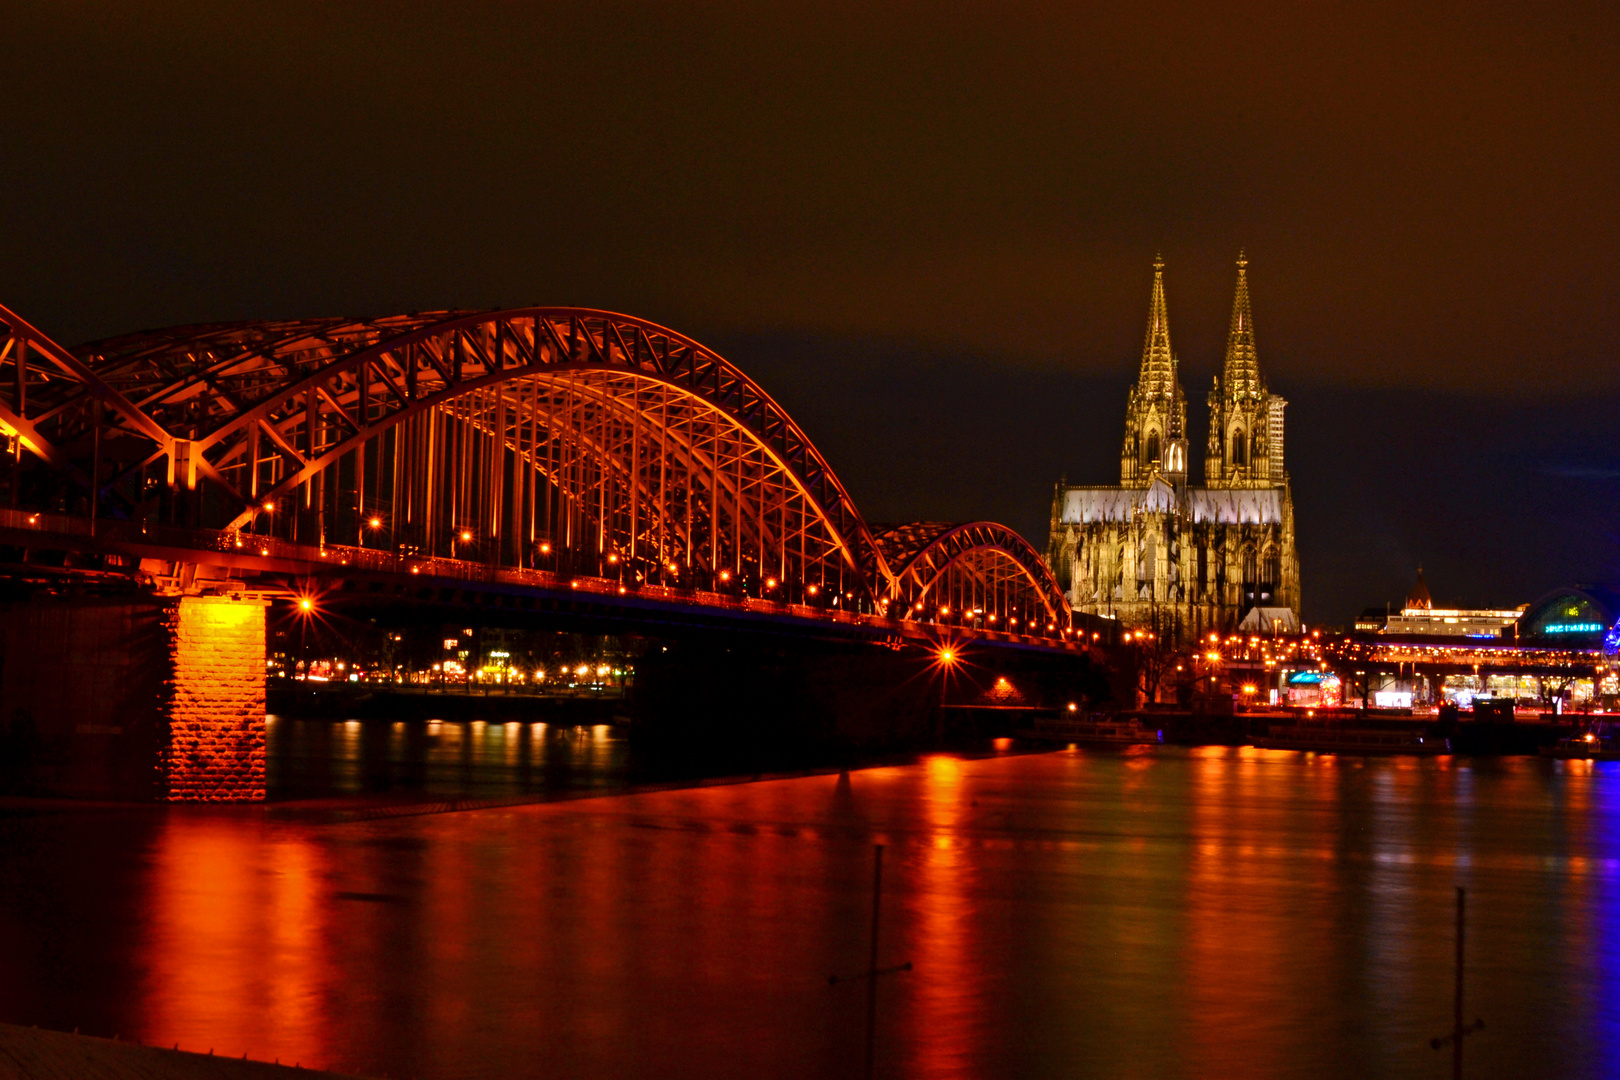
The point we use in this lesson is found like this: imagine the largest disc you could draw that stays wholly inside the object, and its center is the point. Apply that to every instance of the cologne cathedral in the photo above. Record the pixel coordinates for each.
(1158, 554)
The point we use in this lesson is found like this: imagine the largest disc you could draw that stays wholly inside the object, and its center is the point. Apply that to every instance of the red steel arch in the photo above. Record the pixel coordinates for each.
(569, 437)
(976, 568)
(300, 410)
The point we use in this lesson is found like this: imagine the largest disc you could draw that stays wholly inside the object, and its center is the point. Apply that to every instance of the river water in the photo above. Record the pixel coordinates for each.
(1168, 912)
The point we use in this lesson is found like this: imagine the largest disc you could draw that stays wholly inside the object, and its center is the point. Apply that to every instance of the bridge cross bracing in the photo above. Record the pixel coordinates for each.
(566, 441)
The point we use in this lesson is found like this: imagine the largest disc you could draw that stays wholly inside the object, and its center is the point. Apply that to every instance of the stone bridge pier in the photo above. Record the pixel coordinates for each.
(134, 698)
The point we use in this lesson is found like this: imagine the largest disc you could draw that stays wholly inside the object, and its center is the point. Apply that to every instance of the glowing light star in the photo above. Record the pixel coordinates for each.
(306, 604)
(269, 508)
(947, 656)
(465, 536)
(376, 523)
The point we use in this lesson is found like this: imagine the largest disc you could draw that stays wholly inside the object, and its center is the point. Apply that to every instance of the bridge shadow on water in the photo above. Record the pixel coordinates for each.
(371, 766)
(703, 708)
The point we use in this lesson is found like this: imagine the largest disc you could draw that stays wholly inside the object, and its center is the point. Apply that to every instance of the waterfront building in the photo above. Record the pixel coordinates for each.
(1559, 652)
(1419, 616)
(1156, 552)
(1573, 617)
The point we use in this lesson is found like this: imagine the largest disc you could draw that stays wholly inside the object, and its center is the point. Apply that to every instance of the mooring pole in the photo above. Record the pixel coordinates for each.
(1457, 1012)
(1459, 1030)
(872, 972)
(872, 964)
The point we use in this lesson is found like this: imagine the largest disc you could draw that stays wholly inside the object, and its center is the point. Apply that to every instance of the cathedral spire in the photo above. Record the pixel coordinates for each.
(1158, 378)
(1242, 369)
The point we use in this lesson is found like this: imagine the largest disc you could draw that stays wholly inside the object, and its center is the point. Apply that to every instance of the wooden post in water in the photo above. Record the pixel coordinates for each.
(1458, 1029)
(871, 965)
(1457, 1011)
(872, 970)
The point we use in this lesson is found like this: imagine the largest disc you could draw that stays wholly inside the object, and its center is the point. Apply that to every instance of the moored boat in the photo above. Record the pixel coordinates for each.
(1592, 745)
(1333, 739)
(1093, 729)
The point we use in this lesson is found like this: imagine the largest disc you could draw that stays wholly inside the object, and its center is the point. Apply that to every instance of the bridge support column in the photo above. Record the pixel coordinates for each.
(215, 705)
(132, 698)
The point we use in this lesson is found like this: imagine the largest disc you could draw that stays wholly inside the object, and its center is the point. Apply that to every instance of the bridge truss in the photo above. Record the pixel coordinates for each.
(568, 440)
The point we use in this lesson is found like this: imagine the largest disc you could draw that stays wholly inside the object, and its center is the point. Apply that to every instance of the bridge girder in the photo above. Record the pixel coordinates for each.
(936, 563)
(514, 427)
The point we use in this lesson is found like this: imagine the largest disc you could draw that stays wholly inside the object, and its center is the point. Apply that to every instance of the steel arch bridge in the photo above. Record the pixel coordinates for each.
(569, 441)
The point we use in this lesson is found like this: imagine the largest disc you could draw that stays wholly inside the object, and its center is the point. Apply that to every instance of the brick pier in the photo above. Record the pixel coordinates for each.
(215, 708)
(150, 699)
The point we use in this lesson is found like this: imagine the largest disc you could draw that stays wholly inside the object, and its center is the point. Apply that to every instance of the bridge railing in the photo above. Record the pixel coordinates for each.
(179, 539)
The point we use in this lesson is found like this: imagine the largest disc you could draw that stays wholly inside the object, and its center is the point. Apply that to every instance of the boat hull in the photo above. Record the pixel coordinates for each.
(1353, 742)
(1101, 733)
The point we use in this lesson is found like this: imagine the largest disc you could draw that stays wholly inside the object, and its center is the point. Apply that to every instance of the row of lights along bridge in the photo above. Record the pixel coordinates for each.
(624, 570)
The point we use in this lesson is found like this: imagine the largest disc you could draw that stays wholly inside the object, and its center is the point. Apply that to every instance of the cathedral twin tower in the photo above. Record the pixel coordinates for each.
(1156, 553)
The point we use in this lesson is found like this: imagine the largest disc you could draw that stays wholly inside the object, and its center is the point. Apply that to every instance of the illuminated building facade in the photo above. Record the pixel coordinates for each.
(1156, 552)
(1419, 616)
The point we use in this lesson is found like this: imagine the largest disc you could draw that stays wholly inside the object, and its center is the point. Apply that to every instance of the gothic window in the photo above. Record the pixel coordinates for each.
(1239, 445)
(1248, 566)
(1150, 560)
(1272, 568)
(1152, 454)
(1203, 563)
(1259, 445)
(1130, 444)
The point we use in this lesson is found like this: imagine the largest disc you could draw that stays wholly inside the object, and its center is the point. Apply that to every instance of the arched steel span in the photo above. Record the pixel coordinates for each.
(558, 438)
(979, 570)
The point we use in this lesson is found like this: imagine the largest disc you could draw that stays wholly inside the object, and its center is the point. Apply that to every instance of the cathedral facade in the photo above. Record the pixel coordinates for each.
(1159, 554)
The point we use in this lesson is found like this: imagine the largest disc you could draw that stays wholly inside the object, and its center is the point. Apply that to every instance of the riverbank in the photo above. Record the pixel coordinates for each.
(33, 1054)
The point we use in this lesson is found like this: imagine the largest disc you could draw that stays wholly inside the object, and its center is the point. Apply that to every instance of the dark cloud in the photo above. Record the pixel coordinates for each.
(1425, 192)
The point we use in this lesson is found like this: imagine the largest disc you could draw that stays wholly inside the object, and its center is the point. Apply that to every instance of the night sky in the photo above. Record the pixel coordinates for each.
(927, 229)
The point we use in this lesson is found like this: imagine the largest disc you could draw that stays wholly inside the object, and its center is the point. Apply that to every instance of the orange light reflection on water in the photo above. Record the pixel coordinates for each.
(237, 951)
(941, 998)
(1219, 912)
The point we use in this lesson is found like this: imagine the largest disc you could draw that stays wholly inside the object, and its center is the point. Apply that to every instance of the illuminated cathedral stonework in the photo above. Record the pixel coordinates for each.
(1156, 553)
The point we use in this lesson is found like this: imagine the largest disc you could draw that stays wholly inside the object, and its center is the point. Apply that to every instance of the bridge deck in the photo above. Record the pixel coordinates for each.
(270, 565)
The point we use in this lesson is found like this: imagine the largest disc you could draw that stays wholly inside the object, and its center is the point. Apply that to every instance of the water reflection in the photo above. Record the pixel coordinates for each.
(316, 758)
(1213, 913)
